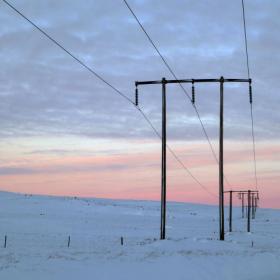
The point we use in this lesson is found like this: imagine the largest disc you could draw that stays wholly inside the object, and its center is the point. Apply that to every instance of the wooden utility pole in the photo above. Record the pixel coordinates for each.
(230, 211)
(163, 82)
(221, 162)
(163, 163)
(249, 211)
(242, 198)
(163, 151)
(252, 206)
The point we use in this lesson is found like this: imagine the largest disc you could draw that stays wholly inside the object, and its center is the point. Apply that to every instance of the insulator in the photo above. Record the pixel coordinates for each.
(250, 94)
(136, 97)
(193, 94)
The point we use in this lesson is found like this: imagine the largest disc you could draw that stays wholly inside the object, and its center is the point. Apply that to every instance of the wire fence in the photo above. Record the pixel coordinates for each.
(54, 241)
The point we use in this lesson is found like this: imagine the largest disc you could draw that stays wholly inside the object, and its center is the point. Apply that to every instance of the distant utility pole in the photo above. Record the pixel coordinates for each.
(249, 211)
(230, 211)
(241, 196)
(253, 205)
(256, 203)
(163, 82)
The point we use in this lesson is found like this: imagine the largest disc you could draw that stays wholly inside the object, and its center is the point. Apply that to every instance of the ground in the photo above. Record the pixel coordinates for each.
(38, 230)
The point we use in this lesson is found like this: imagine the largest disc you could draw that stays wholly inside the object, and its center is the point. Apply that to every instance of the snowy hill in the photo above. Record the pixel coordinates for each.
(38, 230)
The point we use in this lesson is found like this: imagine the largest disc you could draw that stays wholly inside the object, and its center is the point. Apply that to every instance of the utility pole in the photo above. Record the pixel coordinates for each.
(242, 198)
(253, 206)
(221, 162)
(163, 82)
(163, 163)
(163, 150)
(257, 199)
(230, 211)
(249, 211)
(256, 203)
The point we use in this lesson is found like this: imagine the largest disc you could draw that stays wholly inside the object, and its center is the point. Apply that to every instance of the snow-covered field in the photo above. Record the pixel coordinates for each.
(38, 227)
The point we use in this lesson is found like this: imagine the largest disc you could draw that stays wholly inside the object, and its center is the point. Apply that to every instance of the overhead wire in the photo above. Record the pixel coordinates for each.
(251, 103)
(112, 87)
(181, 86)
(68, 52)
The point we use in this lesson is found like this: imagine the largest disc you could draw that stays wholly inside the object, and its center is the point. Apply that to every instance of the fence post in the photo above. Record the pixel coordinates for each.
(5, 242)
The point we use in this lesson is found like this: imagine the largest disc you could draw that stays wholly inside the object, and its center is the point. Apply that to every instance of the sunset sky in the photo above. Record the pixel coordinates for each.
(64, 132)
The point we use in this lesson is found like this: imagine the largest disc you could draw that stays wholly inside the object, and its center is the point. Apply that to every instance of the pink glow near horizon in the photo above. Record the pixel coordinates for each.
(137, 176)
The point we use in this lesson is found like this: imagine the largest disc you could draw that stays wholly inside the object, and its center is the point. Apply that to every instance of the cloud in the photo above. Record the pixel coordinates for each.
(45, 92)
(62, 169)
(15, 171)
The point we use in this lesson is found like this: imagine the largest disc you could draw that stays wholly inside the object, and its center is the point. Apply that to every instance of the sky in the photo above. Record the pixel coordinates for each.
(65, 132)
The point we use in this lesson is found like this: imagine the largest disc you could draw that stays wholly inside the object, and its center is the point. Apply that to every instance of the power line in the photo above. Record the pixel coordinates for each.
(69, 53)
(251, 103)
(181, 86)
(254, 148)
(111, 86)
(245, 38)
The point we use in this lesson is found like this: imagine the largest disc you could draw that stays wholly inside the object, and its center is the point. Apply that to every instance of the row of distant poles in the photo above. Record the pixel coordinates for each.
(249, 204)
(221, 81)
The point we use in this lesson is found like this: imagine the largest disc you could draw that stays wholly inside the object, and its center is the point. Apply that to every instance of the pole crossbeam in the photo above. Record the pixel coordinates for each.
(176, 81)
(241, 191)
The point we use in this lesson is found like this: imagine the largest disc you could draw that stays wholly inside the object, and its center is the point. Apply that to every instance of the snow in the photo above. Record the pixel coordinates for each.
(37, 229)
